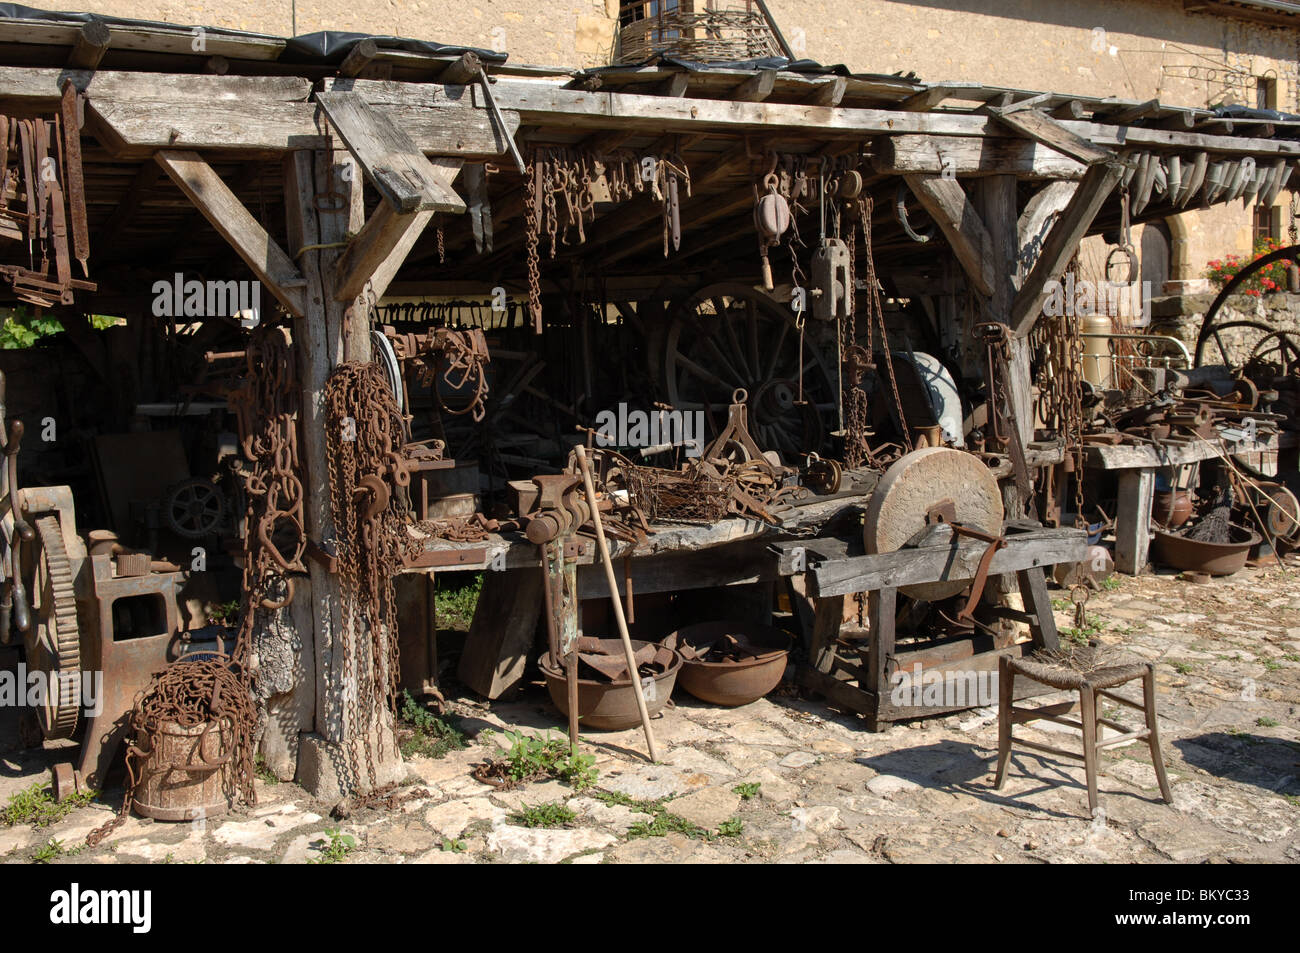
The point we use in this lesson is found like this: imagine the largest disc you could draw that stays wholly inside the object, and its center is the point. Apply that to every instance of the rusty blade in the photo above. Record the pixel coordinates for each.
(611, 666)
(73, 179)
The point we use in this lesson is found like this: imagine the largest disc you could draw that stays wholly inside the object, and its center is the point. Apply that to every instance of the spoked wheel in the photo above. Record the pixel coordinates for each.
(727, 337)
(1278, 352)
(194, 508)
(1239, 344)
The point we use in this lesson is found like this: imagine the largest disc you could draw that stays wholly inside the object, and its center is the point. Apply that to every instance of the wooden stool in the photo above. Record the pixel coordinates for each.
(1090, 685)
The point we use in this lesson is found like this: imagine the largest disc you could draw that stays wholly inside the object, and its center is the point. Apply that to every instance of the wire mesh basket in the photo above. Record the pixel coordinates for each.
(675, 496)
(724, 30)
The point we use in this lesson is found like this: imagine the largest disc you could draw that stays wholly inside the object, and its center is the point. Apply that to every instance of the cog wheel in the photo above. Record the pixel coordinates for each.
(194, 508)
(54, 642)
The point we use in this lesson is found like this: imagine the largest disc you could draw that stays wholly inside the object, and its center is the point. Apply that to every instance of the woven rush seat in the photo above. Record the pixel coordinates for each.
(1091, 672)
(1067, 678)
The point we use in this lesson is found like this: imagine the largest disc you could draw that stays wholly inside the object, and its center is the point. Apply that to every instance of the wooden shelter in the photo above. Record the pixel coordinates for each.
(341, 183)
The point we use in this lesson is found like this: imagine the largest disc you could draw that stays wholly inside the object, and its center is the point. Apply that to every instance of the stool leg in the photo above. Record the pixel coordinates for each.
(1006, 683)
(1088, 715)
(1153, 733)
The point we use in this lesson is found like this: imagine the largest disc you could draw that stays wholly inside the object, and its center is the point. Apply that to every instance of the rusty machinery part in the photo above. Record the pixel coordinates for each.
(266, 408)
(728, 336)
(900, 211)
(822, 476)
(1291, 253)
(921, 483)
(1250, 346)
(367, 463)
(49, 191)
(53, 643)
(190, 693)
(459, 355)
(462, 359)
(194, 508)
(386, 357)
(1278, 510)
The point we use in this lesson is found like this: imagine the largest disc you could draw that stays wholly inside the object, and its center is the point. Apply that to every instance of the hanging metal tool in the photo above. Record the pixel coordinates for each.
(500, 120)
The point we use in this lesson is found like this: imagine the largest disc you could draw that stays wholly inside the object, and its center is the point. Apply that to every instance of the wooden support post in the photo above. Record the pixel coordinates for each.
(1133, 519)
(827, 617)
(952, 211)
(327, 333)
(882, 610)
(502, 634)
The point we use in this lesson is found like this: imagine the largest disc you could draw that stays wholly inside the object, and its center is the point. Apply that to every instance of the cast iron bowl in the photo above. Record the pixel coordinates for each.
(732, 683)
(609, 706)
(1218, 559)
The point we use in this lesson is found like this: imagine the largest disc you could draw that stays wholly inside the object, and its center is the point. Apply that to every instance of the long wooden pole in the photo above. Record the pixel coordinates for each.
(617, 600)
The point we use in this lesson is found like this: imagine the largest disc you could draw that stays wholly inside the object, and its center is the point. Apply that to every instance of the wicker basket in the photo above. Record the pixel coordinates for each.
(673, 496)
(727, 31)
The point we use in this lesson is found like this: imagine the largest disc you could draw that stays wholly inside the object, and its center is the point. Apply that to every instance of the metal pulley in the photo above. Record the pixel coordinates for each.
(832, 280)
(923, 489)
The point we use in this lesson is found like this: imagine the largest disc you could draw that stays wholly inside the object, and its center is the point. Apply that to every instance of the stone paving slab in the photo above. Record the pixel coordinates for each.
(788, 780)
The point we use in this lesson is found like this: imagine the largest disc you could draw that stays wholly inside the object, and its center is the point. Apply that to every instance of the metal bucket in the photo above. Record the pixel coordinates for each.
(187, 773)
(610, 706)
(733, 683)
(1218, 559)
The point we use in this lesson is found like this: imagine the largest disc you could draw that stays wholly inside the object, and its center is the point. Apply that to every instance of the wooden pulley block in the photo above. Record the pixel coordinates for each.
(771, 212)
(936, 479)
(850, 184)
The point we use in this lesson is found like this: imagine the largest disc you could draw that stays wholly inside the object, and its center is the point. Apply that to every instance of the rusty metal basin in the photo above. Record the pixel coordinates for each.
(1218, 559)
(610, 706)
(732, 682)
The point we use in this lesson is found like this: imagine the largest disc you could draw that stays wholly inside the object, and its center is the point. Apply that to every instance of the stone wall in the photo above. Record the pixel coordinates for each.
(1182, 316)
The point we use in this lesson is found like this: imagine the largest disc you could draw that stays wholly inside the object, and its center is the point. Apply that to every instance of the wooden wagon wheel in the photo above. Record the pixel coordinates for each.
(728, 336)
(1210, 329)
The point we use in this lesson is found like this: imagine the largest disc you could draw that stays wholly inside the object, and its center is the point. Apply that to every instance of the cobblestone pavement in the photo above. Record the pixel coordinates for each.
(788, 780)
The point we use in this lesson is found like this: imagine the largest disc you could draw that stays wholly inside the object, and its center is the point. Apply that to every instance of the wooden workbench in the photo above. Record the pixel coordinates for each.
(1137, 466)
(864, 687)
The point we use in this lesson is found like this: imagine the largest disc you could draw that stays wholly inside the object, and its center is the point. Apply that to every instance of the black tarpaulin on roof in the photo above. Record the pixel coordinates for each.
(331, 46)
(764, 62)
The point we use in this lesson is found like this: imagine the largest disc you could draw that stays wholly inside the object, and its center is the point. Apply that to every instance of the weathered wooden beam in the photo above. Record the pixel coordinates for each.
(675, 85)
(829, 92)
(378, 250)
(383, 232)
(757, 88)
(907, 567)
(361, 55)
(1070, 109)
(90, 46)
(223, 210)
(463, 70)
(1039, 126)
(400, 173)
(952, 211)
(971, 156)
(1040, 212)
(1061, 243)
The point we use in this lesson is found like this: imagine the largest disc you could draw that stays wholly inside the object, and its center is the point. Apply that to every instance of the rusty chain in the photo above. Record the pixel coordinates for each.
(365, 445)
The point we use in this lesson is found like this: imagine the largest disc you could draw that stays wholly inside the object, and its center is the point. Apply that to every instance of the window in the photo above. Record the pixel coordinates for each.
(1265, 92)
(1267, 223)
